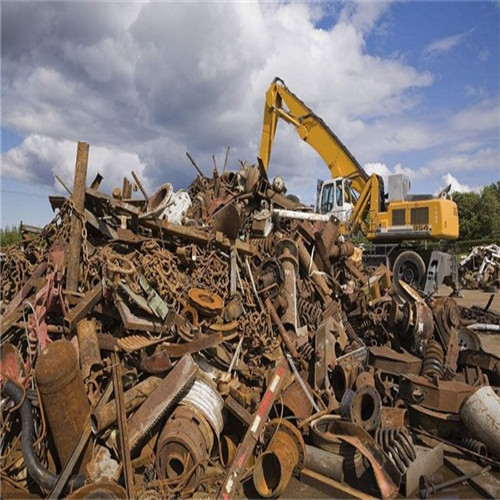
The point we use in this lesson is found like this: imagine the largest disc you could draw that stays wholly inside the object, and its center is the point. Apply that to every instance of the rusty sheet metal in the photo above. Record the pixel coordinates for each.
(445, 396)
(393, 362)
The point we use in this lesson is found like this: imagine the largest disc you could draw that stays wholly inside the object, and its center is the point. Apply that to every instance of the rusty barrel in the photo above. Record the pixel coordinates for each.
(63, 396)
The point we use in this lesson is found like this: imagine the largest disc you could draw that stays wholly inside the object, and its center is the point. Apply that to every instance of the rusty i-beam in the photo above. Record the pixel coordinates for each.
(78, 197)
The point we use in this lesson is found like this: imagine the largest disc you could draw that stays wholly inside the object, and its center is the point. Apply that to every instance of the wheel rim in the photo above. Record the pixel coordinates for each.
(409, 273)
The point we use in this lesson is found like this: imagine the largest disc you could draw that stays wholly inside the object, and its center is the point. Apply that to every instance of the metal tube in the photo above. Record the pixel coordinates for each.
(90, 355)
(273, 469)
(485, 327)
(480, 413)
(78, 197)
(324, 462)
(101, 419)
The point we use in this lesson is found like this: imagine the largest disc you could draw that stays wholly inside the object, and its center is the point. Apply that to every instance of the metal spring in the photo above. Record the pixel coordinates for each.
(310, 311)
(434, 360)
(398, 446)
(351, 333)
(306, 351)
(475, 445)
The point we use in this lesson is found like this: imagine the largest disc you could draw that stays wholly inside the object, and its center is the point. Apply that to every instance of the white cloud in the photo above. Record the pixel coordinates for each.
(156, 79)
(383, 170)
(456, 186)
(58, 157)
(145, 82)
(445, 45)
(484, 115)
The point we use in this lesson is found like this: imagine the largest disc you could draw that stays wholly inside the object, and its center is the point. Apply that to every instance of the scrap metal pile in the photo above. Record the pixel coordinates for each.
(481, 268)
(191, 344)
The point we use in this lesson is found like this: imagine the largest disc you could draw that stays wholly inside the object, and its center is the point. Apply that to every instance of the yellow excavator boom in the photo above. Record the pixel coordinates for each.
(312, 129)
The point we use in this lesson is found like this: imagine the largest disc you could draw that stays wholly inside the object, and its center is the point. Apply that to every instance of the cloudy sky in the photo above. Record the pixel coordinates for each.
(410, 87)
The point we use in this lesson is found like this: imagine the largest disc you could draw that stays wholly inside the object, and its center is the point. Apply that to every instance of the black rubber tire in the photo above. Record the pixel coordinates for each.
(409, 267)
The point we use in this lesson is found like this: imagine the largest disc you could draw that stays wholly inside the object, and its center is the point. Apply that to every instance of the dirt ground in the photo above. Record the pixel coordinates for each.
(474, 298)
(490, 341)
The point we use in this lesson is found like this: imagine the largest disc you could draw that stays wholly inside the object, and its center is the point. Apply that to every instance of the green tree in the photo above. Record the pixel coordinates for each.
(468, 214)
(10, 235)
(489, 211)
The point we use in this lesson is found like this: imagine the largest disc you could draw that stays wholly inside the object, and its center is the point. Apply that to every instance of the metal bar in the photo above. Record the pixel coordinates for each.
(78, 312)
(78, 196)
(160, 400)
(122, 424)
(63, 184)
(247, 446)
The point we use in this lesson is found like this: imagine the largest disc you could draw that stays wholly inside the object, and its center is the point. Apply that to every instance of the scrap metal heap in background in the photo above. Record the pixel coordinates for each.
(210, 349)
(481, 268)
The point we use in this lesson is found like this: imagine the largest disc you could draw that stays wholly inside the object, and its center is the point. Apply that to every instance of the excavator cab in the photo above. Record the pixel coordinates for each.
(336, 198)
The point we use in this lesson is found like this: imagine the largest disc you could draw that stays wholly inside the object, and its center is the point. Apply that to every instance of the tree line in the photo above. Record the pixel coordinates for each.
(479, 213)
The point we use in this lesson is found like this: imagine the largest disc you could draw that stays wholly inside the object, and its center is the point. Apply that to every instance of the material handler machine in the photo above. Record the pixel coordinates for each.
(392, 221)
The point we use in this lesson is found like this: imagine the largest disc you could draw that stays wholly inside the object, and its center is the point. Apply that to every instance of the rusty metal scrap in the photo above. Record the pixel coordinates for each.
(237, 341)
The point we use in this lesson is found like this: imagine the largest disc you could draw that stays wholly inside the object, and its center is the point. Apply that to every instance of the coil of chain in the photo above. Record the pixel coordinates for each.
(259, 345)
(161, 269)
(19, 264)
(16, 269)
(212, 272)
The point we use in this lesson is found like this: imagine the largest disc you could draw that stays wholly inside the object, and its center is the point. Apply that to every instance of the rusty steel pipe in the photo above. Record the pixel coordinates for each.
(274, 468)
(90, 356)
(325, 462)
(287, 254)
(101, 419)
(64, 400)
(78, 197)
(284, 334)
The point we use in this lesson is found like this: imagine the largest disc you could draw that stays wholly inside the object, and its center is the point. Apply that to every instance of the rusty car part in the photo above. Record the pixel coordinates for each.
(398, 446)
(60, 383)
(205, 301)
(441, 395)
(363, 407)
(284, 455)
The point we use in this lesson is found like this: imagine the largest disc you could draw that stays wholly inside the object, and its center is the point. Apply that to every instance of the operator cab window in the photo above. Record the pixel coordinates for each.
(339, 194)
(327, 198)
